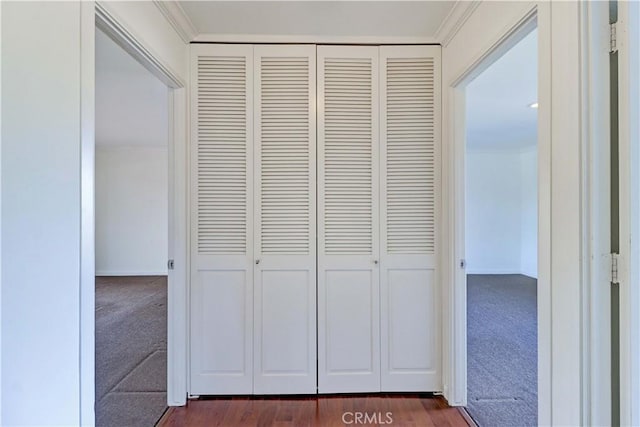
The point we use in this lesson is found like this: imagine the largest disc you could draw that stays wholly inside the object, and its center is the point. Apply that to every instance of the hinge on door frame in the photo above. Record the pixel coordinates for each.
(170, 264)
(614, 268)
(613, 37)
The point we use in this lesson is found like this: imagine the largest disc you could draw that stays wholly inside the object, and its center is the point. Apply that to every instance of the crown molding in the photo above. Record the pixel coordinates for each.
(311, 39)
(460, 12)
(178, 19)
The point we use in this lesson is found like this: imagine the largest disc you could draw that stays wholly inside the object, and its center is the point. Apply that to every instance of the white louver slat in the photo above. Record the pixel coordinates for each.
(348, 155)
(410, 154)
(284, 152)
(222, 155)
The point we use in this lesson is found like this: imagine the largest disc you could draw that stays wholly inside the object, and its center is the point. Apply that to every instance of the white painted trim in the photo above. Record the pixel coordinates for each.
(544, 214)
(87, 214)
(310, 39)
(567, 142)
(458, 15)
(597, 217)
(628, 34)
(455, 390)
(179, 277)
(179, 20)
(120, 273)
(508, 38)
(455, 348)
(455, 372)
(111, 25)
(177, 333)
(1, 400)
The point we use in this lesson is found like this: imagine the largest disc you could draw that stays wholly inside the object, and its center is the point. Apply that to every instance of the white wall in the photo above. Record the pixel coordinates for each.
(132, 134)
(501, 211)
(40, 213)
(131, 103)
(493, 212)
(47, 98)
(131, 211)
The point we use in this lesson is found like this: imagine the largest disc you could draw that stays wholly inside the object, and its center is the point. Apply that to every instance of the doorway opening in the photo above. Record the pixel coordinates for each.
(501, 233)
(131, 240)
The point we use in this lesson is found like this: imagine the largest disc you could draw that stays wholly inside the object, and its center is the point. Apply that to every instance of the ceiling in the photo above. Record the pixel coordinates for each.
(131, 103)
(318, 18)
(497, 101)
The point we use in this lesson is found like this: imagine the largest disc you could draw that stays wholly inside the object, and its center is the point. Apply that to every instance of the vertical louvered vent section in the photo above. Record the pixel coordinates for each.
(348, 156)
(284, 115)
(410, 155)
(222, 155)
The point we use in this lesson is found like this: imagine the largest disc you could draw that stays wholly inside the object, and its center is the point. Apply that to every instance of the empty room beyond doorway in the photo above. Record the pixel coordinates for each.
(501, 245)
(131, 205)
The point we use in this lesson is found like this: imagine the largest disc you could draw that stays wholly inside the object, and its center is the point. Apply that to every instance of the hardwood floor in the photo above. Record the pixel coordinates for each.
(324, 411)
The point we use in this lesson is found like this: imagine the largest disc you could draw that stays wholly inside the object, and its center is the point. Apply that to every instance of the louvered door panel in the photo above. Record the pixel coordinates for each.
(410, 138)
(222, 219)
(348, 154)
(348, 293)
(410, 155)
(285, 200)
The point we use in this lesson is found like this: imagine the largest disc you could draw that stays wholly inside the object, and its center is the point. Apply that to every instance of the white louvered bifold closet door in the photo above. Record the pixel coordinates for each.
(222, 220)
(409, 145)
(285, 204)
(348, 237)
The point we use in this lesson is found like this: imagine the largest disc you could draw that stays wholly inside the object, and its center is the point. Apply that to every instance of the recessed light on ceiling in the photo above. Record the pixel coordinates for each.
(533, 105)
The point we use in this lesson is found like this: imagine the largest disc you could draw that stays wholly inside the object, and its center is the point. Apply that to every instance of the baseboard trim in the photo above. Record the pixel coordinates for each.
(499, 272)
(130, 273)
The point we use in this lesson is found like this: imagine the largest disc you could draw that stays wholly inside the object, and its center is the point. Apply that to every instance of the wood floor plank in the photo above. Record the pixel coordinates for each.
(410, 410)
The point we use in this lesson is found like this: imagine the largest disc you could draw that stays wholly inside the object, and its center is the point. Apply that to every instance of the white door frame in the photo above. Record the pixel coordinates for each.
(594, 340)
(457, 300)
(628, 33)
(95, 15)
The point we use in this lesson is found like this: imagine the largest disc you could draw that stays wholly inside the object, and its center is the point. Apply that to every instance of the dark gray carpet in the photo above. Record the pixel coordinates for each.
(502, 350)
(131, 350)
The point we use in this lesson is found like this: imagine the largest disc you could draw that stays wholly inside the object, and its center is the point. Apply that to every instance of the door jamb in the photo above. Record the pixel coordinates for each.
(593, 338)
(95, 15)
(456, 392)
(628, 40)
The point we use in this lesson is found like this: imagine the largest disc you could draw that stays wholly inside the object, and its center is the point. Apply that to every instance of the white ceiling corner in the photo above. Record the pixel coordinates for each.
(132, 105)
(368, 22)
(497, 101)
(178, 19)
(446, 26)
(460, 12)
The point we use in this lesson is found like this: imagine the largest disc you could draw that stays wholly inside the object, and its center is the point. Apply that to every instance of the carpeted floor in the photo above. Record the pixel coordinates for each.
(502, 349)
(131, 350)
